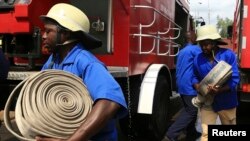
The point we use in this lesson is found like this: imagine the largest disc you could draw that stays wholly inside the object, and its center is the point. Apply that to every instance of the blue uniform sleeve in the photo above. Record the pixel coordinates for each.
(102, 85)
(195, 79)
(234, 81)
(196, 52)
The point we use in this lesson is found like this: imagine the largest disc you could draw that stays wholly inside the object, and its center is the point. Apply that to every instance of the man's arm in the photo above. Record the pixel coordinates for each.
(196, 86)
(102, 111)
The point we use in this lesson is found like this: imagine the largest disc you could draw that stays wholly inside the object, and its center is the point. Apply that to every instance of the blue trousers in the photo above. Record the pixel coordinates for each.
(186, 119)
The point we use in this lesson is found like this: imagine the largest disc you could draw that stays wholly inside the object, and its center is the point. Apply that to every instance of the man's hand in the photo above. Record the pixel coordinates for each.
(197, 86)
(102, 111)
(213, 89)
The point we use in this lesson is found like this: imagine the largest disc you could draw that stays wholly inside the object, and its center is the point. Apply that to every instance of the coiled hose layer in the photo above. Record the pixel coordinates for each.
(51, 103)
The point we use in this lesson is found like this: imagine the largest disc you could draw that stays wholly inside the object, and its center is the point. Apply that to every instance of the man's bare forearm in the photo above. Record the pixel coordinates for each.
(102, 111)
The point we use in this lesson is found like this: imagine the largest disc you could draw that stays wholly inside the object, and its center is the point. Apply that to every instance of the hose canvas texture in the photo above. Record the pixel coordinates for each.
(51, 103)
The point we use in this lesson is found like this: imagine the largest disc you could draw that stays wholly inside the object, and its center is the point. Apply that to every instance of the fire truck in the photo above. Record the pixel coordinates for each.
(141, 39)
(240, 33)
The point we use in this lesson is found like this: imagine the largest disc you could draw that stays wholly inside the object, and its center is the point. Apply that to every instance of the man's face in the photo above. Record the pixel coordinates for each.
(50, 37)
(207, 46)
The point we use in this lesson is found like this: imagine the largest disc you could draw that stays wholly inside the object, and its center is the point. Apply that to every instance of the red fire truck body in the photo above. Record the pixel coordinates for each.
(137, 47)
(240, 40)
(140, 41)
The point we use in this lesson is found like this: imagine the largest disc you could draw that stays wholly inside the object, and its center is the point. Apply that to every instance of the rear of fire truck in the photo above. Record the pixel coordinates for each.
(240, 40)
(141, 39)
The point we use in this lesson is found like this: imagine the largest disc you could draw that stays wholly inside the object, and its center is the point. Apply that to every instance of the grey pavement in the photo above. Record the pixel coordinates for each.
(5, 135)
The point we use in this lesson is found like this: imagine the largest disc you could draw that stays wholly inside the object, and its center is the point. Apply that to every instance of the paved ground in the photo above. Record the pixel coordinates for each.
(5, 135)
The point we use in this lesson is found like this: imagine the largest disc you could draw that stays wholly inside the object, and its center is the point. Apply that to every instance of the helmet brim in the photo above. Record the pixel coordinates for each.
(90, 41)
(221, 42)
(214, 36)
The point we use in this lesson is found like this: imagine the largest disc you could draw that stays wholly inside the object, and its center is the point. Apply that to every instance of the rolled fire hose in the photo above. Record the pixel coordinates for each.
(51, 103)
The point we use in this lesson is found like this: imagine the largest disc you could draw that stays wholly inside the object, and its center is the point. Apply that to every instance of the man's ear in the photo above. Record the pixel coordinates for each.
(214, 43)
(66, 35)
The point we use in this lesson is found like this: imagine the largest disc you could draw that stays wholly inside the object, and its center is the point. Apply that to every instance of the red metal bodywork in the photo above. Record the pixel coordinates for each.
(126, 21)
(120, 55)
(241, 33)
(240, 39)
(23, 17)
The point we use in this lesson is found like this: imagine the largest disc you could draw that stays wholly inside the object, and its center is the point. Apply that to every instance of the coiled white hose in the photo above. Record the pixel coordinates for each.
(51, 103)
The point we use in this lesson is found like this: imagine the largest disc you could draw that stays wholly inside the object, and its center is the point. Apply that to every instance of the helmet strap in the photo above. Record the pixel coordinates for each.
(59, 39)
(58, 36)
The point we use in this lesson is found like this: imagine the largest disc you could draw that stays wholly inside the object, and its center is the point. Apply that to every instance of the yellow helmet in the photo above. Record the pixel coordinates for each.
(72, 18)
(69, 17)
(207, 32)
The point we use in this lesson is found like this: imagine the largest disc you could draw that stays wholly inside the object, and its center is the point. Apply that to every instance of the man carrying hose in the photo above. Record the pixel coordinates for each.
(225, 100)
(66, 37)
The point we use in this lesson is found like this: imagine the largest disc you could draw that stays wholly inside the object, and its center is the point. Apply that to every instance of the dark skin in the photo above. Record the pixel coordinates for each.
(49, 40)
(208, 47)
(190, 37)
(103, 110)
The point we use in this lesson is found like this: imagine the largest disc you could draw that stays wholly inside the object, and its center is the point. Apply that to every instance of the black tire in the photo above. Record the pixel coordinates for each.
(153, 127)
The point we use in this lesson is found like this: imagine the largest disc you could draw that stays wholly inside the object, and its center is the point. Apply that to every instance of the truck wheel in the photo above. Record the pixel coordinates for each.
(153, 127)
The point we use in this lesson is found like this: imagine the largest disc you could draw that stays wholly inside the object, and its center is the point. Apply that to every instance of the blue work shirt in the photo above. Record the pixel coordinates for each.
(202, 66)
(100, 83)
(184, 69)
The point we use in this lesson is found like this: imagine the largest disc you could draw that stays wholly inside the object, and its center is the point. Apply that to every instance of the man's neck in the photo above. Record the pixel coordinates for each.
(64, 50)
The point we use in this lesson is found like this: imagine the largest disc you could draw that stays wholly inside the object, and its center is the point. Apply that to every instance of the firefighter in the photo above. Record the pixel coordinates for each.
(225, 97)
(67, 37)
(184, 74)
